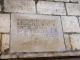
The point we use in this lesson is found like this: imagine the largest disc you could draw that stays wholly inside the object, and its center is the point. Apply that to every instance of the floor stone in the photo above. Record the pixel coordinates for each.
(8, 56)
(55, 8)
(41, 33)
(70, 24)
(67, 42)
(4, 23)
(75, 41)
(20, 6)
(73, 9)
(5, 43)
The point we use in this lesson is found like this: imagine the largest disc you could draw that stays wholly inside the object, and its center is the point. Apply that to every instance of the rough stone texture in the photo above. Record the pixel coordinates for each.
(20, 6)
(73, 9)
(50, 54)
(70, 24)
(75, 41)
(8, 56)
(67, 42)
(62, 0)
(55, 8)
(76, 53)
(5, 43)
(4, 23)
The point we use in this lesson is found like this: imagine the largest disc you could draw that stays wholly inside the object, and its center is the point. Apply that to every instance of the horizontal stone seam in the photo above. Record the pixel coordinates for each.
(37, 14)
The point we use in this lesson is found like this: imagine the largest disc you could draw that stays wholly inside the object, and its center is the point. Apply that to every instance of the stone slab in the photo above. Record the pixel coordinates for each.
(67, 42)
(4, 23)
(5, 43)
(19, 6)
(55, 8)
(75, 41)
(36, 33)
(73, 9)
(70, 24)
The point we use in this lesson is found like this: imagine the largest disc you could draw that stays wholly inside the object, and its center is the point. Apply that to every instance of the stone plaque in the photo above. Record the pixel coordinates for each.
(36, 33)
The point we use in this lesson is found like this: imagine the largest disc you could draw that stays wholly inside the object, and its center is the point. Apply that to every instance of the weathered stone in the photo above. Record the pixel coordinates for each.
(0, 43)
(36, 33)
(59, 54)
(79, 21)
(76, 1)
(73, 9)
(67, 42)
(46, 0)
(76, 53)
(0, 7)
(70, 24)
(4, 23)
(55, 8)
(5, 43)
(8, 56)
(20, 6)
(62, 0)
(75, 41)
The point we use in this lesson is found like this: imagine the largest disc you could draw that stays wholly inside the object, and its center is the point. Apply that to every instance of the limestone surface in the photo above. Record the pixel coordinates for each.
(5, 43)
(20, 6)
(55, 8)
(73, 9)
(67, 42)
(70, 24)
(4, 23)
(75, 41)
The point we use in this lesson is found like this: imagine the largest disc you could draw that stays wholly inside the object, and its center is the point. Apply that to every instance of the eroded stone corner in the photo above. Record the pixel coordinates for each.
(75, 41)
(5, 44)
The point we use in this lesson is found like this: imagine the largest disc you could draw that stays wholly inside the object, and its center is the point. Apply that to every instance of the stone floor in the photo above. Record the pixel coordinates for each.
(65, 11)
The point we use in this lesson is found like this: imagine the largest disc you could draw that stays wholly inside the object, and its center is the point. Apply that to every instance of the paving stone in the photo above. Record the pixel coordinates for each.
(67, 42)
(5, 43)
(20, 6)
(4, 23)
(55, 8)
(75, 41)
(43, 33)
(62, 0)
(73, 9)
(70, 24)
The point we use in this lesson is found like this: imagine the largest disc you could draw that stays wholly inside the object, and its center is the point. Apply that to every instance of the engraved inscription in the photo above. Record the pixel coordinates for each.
(45, 27)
